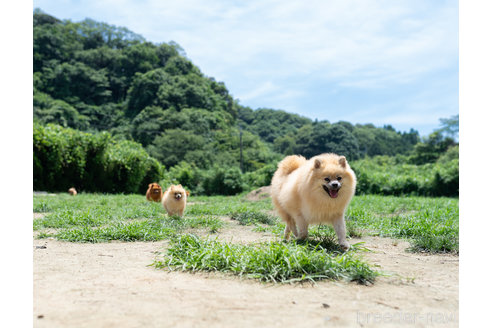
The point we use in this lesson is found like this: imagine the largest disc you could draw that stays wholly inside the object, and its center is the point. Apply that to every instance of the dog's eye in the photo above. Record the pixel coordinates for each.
(339, 178)
(327, 179)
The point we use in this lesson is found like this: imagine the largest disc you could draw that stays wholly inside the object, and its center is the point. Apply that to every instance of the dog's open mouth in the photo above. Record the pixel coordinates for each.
(333, 193)
(156, 191)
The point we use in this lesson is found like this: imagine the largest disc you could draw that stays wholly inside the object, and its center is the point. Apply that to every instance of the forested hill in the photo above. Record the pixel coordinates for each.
(92, 77)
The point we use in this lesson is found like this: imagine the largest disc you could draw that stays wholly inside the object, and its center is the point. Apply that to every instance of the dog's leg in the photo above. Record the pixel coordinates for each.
(303, 227)
(286, 232)
(339, 225)
(290, 225)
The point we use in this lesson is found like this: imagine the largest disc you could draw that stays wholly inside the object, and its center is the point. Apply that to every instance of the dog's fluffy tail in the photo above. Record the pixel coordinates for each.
(290, 164)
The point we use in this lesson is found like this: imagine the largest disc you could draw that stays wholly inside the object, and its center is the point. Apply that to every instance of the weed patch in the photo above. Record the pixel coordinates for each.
(269, 262)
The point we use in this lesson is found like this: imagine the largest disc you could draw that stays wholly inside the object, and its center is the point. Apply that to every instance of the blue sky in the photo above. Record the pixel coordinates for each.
(381, 62)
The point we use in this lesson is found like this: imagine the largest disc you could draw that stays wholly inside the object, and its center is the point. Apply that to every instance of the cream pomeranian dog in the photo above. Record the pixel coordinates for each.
(313, 191)
(174, 200)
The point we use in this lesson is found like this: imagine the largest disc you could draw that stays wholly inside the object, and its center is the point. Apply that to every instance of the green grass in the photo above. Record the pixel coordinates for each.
(273, 262)
(253, 217)
(100, 218)
(225, 205)
(430, 224)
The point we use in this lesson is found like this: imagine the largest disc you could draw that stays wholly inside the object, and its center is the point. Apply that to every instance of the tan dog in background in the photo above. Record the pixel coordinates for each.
(72, 191)
(154, 193)
(313, 191)
(174, 200)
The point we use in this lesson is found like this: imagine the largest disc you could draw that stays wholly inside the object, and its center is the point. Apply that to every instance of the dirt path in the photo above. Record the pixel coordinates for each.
(111, 285)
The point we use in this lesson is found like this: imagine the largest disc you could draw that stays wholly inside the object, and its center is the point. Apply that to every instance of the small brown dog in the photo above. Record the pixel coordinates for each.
(72, 191)
(154, 193)
(174, 200)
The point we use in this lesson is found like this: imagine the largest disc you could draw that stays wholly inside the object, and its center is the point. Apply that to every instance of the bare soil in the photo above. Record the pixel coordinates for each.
(112, 285)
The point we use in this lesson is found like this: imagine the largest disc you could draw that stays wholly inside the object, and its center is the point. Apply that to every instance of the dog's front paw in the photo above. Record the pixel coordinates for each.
(345, 245)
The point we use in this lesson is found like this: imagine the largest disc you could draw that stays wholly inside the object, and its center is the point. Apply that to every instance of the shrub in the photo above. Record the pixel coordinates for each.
(390, 176)
(64, 157)
(261, 177)
(223, 181)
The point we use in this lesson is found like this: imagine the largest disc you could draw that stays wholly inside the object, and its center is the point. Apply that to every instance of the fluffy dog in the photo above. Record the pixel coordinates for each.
(154, 193)
(72, 191)
(174, 200)
(313, 191)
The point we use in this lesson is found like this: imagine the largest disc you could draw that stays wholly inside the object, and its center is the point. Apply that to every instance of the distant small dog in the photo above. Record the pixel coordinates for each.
(154, 193)
(72, 191)
(174, 200)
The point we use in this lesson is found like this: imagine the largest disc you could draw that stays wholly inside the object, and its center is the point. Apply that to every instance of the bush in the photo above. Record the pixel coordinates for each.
(214, 181)
(64, 158)
(261, 177)
(185, 174)
(446, 178)
(390, 176)
(223, 181)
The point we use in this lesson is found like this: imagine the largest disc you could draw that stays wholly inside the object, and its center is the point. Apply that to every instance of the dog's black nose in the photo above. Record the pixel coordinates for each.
(334, 184)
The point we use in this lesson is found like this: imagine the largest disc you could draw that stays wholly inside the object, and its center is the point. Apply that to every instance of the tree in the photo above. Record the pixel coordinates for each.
(321, 138)
(450, 126)
(76, 82)
(431, 148)
(148, 124)
(144, 89)
(171, 146)
(48, 110)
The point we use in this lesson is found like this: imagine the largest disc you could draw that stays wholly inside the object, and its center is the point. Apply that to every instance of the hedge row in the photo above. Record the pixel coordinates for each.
(385, 176)
(65, 158)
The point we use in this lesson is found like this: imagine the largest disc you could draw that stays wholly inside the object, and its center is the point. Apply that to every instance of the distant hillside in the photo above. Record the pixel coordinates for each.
(94, 77)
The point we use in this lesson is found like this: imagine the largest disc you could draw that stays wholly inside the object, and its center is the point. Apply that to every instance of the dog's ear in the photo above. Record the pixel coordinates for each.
(180, 185)
(342, 161)
(317, 163)
(187, 193)
(150, 185)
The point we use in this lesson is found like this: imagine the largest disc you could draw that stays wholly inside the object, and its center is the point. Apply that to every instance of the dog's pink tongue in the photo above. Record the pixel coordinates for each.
(333, 193)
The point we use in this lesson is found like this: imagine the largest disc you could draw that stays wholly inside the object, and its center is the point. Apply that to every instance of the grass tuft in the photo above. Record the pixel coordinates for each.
(253, 217)
(269, 262)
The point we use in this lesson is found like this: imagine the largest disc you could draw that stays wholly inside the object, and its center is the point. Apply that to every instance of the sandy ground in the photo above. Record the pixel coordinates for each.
(111, 285)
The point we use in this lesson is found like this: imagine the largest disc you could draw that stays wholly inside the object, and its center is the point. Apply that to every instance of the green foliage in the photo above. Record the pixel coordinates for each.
(450, 126)
(144, 88)
(430, 224)
(431, 148)
(64, 158)
(318, 138)
(213, 181)
(273, 262)
(185, 174)
(96, 77)
(376, 141)
(223, 181)
(76, 82)
(261, 177)
(387, 176)
(253, 217)
(48, 110)
(270, 124)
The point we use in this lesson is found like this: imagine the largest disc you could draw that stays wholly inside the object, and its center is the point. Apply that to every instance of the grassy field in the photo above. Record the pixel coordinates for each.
(430, 224)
